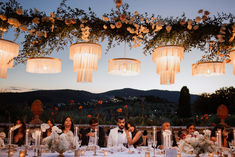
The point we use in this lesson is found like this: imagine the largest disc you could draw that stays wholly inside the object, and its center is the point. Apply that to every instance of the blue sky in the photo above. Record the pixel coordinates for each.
(102, 81)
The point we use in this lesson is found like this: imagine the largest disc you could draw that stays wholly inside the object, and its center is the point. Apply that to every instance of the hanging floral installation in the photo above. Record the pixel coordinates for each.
(45, 34)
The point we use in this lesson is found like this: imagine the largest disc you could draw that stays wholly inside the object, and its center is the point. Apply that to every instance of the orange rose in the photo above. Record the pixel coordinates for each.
(119, 110)
(88, 116)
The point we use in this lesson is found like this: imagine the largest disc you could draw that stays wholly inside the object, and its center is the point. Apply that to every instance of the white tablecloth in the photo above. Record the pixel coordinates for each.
(136, 153)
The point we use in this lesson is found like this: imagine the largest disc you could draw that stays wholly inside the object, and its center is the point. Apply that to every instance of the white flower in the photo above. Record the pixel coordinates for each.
(190, 21)
(195, 27)
(104, 26)
(189, 27)
(19, 11)
(136, 13)
(196, 133)
(36, 20)
(39, 34)
(198, 19)
(207, 132)
(44, 126)
(118, 24)
(24, 28)
(52, 14)
(3, 17)
(112, 26)
(14, 22)
(168, 28)
(56, 129)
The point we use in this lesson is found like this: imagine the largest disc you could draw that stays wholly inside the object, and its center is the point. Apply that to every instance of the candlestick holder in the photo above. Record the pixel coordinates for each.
(94, 151)
(26, 150)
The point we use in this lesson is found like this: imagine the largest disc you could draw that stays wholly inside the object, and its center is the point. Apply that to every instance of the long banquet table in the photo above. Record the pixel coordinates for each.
(100, 153)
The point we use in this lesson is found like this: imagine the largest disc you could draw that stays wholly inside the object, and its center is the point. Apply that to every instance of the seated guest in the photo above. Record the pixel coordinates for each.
(165, 126)
(118, 135)
(67, 125)
(67, 133)
(19, 134)
(189, 131)
(88, 135)
(137, 139)
(48, 131)
(226, 136)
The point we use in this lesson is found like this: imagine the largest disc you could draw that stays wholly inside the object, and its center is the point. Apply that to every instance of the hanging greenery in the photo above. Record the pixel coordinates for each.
(45, 34)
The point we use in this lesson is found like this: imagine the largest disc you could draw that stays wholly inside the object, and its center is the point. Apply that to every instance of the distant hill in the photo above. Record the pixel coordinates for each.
(63, 96)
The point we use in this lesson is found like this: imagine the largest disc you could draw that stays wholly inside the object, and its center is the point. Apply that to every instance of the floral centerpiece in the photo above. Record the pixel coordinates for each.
(2, 136)
(197, 143)
(58, 141)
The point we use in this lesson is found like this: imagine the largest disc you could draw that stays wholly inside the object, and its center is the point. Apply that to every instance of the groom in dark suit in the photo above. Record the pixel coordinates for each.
(89, 133)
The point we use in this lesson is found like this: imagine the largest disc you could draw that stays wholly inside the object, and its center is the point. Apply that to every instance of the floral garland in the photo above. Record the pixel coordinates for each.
(44, 34)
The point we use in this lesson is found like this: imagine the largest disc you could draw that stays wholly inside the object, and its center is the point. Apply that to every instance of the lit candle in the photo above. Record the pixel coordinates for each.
(234, 137)
(22, 153)
(154, 136)
(178, 154)
(27, 137)
(219, 140)
(39, 137)
(95, 136)
(82, 152)
(105, 153)
(10, 136)
(76, 131)
(147, 154)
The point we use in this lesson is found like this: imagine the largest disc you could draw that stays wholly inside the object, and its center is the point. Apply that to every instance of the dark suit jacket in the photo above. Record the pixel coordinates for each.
(85, 139)
(160, 139)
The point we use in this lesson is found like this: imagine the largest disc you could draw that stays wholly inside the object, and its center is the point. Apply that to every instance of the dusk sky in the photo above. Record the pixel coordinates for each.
(147, 79)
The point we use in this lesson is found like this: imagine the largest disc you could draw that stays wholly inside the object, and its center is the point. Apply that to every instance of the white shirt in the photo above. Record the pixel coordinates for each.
(116, 138)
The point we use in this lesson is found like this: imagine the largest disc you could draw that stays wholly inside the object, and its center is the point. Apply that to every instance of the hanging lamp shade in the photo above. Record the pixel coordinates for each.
(208, 68)
(168, 60)
(8, 50)
(232, 57)
(124, 66)
(85, 59)
(43, 65)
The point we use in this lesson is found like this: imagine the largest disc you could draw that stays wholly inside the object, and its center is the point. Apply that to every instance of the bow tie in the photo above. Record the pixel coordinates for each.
(92, 130)
(121, 131)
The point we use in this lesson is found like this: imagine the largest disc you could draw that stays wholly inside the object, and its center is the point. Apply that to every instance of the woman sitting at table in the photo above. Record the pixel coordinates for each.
(137, 139)
(48, 131)
(67, 132)
(19, 134)
(226, 136)
(189, 131)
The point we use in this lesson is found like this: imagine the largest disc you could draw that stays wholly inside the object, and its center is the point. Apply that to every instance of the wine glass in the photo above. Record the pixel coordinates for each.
(154, 147)
(150, 143)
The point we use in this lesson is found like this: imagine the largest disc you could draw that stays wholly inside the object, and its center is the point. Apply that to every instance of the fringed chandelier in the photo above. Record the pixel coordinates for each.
(168, 60)
(8, 50)
(85, 59)
(208, 68)
(43, 65)
(232, 57)
(124, 66)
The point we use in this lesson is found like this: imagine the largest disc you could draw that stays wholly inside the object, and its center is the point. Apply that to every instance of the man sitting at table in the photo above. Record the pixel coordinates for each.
(88, 135)
(165, 126)
(117, 136)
